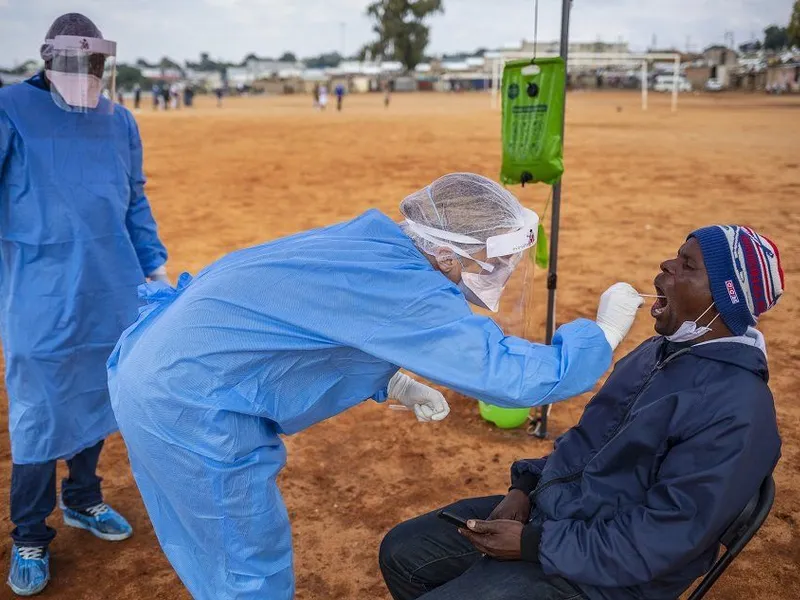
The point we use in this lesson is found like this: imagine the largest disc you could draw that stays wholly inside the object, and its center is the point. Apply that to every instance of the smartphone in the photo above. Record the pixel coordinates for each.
(453, 519)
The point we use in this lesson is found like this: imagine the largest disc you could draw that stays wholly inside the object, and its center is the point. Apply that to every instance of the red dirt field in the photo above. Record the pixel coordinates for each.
(636, 184)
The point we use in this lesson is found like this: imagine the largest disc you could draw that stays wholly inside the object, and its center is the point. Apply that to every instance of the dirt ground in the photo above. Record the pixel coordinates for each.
(636, 184)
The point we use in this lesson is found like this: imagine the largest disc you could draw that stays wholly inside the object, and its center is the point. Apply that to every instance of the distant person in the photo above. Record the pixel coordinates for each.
(387, 95)
(188, 96)
(156, 91)
(316, 96)
(1, 82)
(218, 94)
(137, 97)
(120, 98)
(339, 97)
(323, 97)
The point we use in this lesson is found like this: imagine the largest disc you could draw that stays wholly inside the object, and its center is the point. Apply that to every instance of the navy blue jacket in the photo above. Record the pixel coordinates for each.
(633, 499)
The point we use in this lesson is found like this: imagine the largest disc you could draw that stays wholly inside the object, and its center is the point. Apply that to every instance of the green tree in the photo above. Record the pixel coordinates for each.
(288, 57)
(331, 59)
(168, 63)
(793, 31)
(128, 76)
(748, 47)
(401, 30)
(775, 38)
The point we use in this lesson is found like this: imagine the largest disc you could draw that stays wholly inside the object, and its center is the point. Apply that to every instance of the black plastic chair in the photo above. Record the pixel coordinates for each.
(737, 536)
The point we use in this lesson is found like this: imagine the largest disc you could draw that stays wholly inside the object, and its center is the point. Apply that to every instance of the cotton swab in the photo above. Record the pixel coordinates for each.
(652, 296)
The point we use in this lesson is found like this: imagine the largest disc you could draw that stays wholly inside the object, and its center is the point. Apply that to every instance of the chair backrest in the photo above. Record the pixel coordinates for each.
(739, 533)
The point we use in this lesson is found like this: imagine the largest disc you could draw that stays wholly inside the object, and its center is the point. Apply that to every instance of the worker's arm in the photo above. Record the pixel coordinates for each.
(140, 222)
(439, 338)
(703, 482)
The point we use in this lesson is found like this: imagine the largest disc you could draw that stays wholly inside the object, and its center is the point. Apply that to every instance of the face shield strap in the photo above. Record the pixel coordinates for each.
(77, 43)
(440, 238)
(516, 241)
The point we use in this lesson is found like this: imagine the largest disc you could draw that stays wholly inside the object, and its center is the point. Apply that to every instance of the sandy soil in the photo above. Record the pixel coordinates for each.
(636, 183)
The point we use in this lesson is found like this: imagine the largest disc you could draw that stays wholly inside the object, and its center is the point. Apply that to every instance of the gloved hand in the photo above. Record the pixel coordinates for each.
(427, 403)
(160, 274)
(617, 311)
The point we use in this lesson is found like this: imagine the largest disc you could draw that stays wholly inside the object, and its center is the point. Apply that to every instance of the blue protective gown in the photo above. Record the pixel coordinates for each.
(275, 338)
(76, 239)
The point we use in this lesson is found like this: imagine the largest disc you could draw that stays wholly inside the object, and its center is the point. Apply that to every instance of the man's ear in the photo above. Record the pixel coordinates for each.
(448, 264)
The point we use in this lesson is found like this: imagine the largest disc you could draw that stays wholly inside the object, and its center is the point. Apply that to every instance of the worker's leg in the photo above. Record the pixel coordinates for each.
(424, 553)
(82, 488)
(33, 498)
(82, 500)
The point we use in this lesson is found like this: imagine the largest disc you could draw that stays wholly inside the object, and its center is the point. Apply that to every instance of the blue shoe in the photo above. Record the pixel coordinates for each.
(30, 570)
(101, 520)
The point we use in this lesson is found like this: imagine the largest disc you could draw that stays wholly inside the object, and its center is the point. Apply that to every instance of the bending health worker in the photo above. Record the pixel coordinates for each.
(273, 339)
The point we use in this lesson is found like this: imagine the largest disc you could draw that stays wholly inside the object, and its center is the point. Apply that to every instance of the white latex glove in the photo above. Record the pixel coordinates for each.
(427, 403)
(617, 311)
(160, 274)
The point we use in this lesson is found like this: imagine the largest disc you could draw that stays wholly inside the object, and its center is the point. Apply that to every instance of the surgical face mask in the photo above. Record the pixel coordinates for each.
(485, 289)
(79, 90)
(690, 330)
(472, 297)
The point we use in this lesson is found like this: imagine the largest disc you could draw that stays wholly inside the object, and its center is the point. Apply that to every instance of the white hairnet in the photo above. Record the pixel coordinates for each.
(465, 205)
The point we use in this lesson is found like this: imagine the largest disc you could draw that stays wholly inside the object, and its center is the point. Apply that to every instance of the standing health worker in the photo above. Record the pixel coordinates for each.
(272, 339)
(76, 239)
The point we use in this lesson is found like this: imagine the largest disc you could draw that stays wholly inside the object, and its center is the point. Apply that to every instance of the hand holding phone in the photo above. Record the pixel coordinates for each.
(452, 518)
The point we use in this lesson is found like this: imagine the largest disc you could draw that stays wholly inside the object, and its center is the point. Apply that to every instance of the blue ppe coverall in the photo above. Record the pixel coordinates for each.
(273, 339)
(76, 240)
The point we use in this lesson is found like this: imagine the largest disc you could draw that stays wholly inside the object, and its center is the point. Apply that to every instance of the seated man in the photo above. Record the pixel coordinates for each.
(633, 500)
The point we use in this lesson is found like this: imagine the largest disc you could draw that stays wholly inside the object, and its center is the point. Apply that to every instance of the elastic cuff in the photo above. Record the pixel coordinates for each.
(531, 537)
(526, 482)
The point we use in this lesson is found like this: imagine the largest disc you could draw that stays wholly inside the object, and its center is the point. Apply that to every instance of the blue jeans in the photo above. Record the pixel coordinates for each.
(427, 558)
(33, 494)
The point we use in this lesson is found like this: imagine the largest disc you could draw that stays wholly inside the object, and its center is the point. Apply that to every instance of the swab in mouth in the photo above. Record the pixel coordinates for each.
(653, 296)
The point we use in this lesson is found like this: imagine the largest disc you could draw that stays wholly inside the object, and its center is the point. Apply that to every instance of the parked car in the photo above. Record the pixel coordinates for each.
(713, 85)
(664, 83)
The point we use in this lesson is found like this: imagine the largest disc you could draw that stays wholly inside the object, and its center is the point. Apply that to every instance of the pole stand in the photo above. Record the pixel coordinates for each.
(537, 428)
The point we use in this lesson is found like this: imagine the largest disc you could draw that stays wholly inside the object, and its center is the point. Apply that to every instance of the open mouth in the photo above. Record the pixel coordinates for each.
(660, 305)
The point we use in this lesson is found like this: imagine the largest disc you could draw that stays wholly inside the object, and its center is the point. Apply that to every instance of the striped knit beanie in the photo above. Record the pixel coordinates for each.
(744, 272)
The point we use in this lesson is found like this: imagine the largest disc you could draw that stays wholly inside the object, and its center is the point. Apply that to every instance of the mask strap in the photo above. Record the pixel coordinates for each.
(705, 312)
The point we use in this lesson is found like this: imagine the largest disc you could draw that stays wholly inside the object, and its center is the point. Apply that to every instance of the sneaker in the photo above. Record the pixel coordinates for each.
(30, 570)
(101, 520)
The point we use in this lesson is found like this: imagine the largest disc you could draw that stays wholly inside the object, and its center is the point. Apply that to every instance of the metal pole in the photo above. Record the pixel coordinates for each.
(675, 76)
(495, 85)
(552, 277)
(644, 85)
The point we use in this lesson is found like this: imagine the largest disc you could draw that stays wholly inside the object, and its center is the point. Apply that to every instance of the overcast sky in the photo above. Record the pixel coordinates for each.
(230, 29)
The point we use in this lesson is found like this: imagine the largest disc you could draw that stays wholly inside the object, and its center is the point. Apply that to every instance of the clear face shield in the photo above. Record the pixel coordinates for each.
(485, 274)
(82, 73)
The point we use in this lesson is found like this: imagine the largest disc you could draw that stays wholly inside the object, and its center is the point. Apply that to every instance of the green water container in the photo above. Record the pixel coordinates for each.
(533, 112)
(504, 418)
